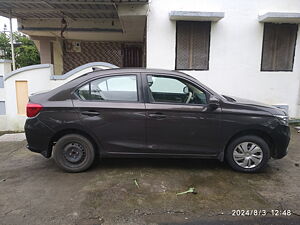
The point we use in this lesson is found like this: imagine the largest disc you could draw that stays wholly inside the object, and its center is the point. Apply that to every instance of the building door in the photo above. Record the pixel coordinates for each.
(22, 96)
(132, 56)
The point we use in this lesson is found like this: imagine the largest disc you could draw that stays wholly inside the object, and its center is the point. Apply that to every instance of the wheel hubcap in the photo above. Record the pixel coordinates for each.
(74, 152)
(247, 155)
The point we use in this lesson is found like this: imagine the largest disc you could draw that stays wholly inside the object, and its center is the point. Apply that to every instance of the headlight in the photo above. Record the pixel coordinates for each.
(284, 120)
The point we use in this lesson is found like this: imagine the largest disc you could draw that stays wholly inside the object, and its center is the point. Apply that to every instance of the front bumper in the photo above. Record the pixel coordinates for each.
(281, 138)
(38, 136)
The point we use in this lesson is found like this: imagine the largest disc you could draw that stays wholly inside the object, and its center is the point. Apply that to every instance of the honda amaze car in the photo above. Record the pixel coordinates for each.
(151, 113)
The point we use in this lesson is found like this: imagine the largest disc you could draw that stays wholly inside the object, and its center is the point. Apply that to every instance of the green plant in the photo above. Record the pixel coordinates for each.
(26, 53)
(5, 51)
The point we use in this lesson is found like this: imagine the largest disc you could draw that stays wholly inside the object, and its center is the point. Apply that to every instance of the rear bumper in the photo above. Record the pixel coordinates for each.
(281, 139)
(38, 136)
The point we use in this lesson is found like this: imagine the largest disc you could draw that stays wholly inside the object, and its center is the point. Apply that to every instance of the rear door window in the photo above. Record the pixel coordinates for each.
(113, 88)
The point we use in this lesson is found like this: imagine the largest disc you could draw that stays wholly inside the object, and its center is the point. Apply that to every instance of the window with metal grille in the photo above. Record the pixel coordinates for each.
(2, 108)
(132, 56)
(1, 82)
(279, 47)
(192, 45)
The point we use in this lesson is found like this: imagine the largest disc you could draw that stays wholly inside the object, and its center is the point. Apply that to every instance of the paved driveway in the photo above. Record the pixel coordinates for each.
(34, 191)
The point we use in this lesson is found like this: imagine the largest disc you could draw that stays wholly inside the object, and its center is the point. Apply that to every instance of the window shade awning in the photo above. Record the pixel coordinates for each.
(196, 16)
(279, 17)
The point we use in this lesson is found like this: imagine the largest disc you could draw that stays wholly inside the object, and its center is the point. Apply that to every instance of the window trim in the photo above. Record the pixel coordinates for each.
(138, 85)
(209, 41)
(147, 90)
(263, 45)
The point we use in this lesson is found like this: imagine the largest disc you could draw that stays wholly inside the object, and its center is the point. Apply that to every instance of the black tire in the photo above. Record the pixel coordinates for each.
(74, 153)
(261, 143)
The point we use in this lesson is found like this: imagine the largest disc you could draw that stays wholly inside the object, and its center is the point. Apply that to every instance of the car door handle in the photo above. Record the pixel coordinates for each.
(157, 115)
(90, 113)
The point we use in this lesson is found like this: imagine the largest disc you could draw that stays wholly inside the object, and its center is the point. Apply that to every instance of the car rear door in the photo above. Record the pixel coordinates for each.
(112, 108)
(174, 126)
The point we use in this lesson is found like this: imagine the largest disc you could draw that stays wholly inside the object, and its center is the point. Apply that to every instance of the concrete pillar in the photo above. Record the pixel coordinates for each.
(58, 57)
(45, 51)
(51, 51)
(5, 66)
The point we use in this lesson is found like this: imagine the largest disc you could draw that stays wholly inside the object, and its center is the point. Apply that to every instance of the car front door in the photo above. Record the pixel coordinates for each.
(112, 108)
(179, 120)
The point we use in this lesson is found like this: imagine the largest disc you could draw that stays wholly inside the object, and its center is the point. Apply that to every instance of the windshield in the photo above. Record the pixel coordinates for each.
(207, 88)
(230, 99)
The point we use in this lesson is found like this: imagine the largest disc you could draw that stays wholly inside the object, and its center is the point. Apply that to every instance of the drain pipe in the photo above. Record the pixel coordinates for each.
(11, 42)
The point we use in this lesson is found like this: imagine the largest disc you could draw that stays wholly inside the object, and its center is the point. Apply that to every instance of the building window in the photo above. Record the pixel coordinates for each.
(2, 108)
(1, 82)
(279, 47)
(132, 56)
(192, 45)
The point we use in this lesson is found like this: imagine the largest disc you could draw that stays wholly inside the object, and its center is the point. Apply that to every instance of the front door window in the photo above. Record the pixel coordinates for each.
(164, 89)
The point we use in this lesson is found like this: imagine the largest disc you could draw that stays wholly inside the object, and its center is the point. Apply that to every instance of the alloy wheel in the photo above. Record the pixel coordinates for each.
(247, 155)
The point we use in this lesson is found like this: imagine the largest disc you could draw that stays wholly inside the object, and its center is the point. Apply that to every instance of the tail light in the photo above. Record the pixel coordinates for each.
(33, 109)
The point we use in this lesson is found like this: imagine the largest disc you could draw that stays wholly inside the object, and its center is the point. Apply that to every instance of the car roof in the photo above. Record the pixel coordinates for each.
(71, 85)
(136, 69)
(99, 72)
(96, 73)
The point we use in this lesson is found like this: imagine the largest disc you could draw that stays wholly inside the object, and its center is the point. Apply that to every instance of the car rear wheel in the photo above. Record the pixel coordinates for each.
(74, 153)
(248, 154)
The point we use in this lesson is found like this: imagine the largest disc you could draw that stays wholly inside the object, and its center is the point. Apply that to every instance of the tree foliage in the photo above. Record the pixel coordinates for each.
(26, 53)
(5, 51)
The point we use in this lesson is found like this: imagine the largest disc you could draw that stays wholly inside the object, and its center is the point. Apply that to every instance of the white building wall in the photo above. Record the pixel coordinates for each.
(38, 80)
(235, 49)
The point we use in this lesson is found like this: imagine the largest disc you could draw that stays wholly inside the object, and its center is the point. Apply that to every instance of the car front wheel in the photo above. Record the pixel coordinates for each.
(248, 154)
(74, 153)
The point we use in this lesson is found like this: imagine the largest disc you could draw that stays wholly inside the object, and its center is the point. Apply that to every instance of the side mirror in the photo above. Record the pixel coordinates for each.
(186, 90)
(213, 103)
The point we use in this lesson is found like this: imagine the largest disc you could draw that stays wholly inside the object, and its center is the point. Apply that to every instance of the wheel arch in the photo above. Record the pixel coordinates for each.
(255, 132)
(64, 132)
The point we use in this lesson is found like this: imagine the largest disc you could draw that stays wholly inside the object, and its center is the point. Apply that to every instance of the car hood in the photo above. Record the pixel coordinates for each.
(265, 107)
